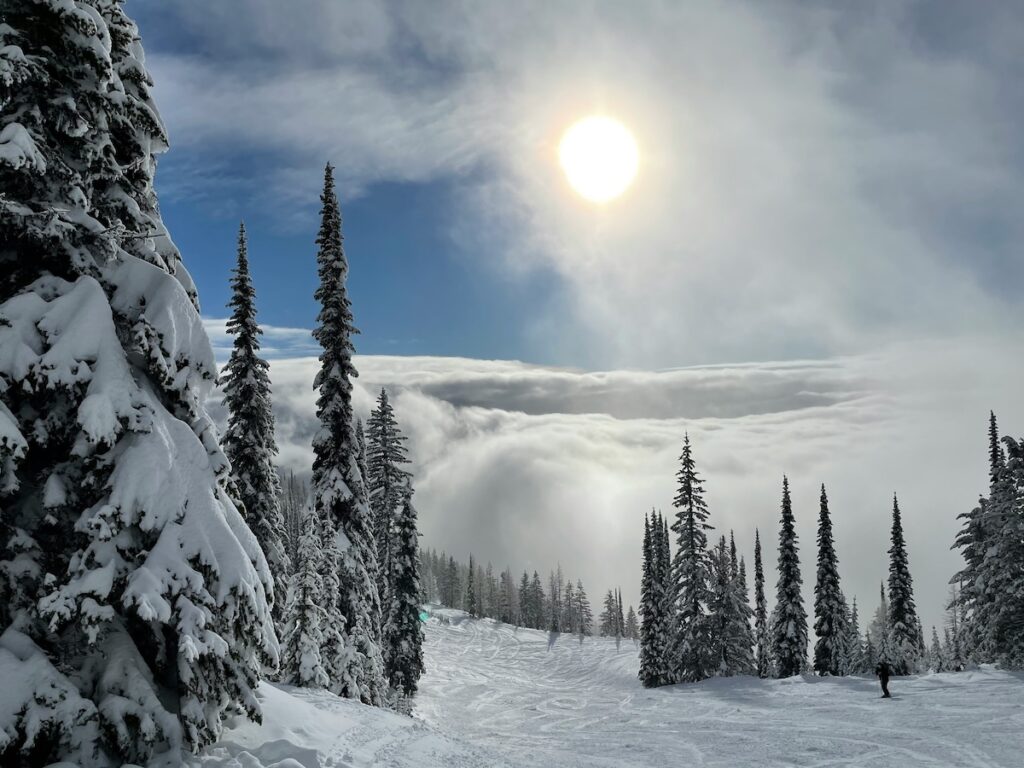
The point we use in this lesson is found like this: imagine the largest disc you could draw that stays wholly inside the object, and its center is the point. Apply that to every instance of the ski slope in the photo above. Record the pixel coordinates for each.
(496, 697)
(547, 702)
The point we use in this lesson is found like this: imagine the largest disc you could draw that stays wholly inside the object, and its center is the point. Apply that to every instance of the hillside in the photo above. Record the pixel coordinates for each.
(497, 696)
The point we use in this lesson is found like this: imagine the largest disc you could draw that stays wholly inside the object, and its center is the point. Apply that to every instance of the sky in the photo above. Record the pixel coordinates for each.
(815, 272)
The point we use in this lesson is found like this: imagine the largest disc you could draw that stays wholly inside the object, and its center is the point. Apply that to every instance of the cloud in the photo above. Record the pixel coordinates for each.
(277, 341)
(531, 466)
(815, 181)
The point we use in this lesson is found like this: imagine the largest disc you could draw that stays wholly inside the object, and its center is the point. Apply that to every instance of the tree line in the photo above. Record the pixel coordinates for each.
(697, 620)
(563, 607)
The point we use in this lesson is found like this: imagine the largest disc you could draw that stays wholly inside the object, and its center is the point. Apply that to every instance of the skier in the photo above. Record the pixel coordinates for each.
(883, 671)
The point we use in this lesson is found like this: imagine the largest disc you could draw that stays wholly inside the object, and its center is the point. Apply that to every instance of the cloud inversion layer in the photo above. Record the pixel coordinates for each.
(531, 466)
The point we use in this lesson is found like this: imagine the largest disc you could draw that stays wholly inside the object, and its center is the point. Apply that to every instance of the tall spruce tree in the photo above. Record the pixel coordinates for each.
(762, 642)
(249, 438)
(903, 634)
(691, 649)
(339, 492)
(404, 638)
(789, 619)
(131, 586)
(829, 606)
(385, 482)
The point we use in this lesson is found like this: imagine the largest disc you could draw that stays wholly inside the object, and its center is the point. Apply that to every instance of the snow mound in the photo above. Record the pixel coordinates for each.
(308, 728)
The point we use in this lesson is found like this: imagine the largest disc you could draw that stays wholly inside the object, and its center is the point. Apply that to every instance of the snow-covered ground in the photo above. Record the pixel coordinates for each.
(497, 696)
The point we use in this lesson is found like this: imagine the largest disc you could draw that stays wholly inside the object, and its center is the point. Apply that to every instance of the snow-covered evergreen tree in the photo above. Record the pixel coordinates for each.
(656, 626)
(829, 608)
(584, 613)
(903, 634)
(936, 658)
(632, 629)
(568, 618)
(879, 633)
(610, 616)
(129, 582)
(728, 617)
(854, 643)
(974, 543)
(749, 640)
(789, 619)
(403, 659)
(537, 601)
(620, 618)
(385, 482)
(955, 653)
(691, 648)
(470, 605)
(249, 438)
(555, 601)
(762, 642)
(870, 653)
(339, 492)
(996, 595)
(302, 659)
(294, 503)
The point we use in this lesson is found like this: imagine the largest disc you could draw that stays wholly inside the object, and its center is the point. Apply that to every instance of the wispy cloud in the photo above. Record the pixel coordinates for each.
(276, 341)
(814, 180)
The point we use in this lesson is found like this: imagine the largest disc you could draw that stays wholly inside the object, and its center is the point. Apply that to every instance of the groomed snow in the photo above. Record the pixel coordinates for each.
(497, 696)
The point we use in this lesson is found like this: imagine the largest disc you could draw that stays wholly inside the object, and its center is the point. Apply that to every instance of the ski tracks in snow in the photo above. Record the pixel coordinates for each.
(551, 701)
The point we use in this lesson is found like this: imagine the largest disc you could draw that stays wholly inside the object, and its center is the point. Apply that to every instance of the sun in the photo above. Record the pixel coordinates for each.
(599, 157)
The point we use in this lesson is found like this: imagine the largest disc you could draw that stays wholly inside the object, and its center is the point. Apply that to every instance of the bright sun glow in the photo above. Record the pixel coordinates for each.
(599, 157)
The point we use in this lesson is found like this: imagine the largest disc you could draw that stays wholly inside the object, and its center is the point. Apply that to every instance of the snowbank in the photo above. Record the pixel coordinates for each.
(305, 728)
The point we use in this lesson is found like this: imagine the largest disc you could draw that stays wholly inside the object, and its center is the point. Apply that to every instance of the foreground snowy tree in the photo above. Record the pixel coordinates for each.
(789, 619)
(385, 481)
(829, 605)
(903, 630)
(133, 598)
(690, 574)
(249, 438)
(404, 632)
(339, 493)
